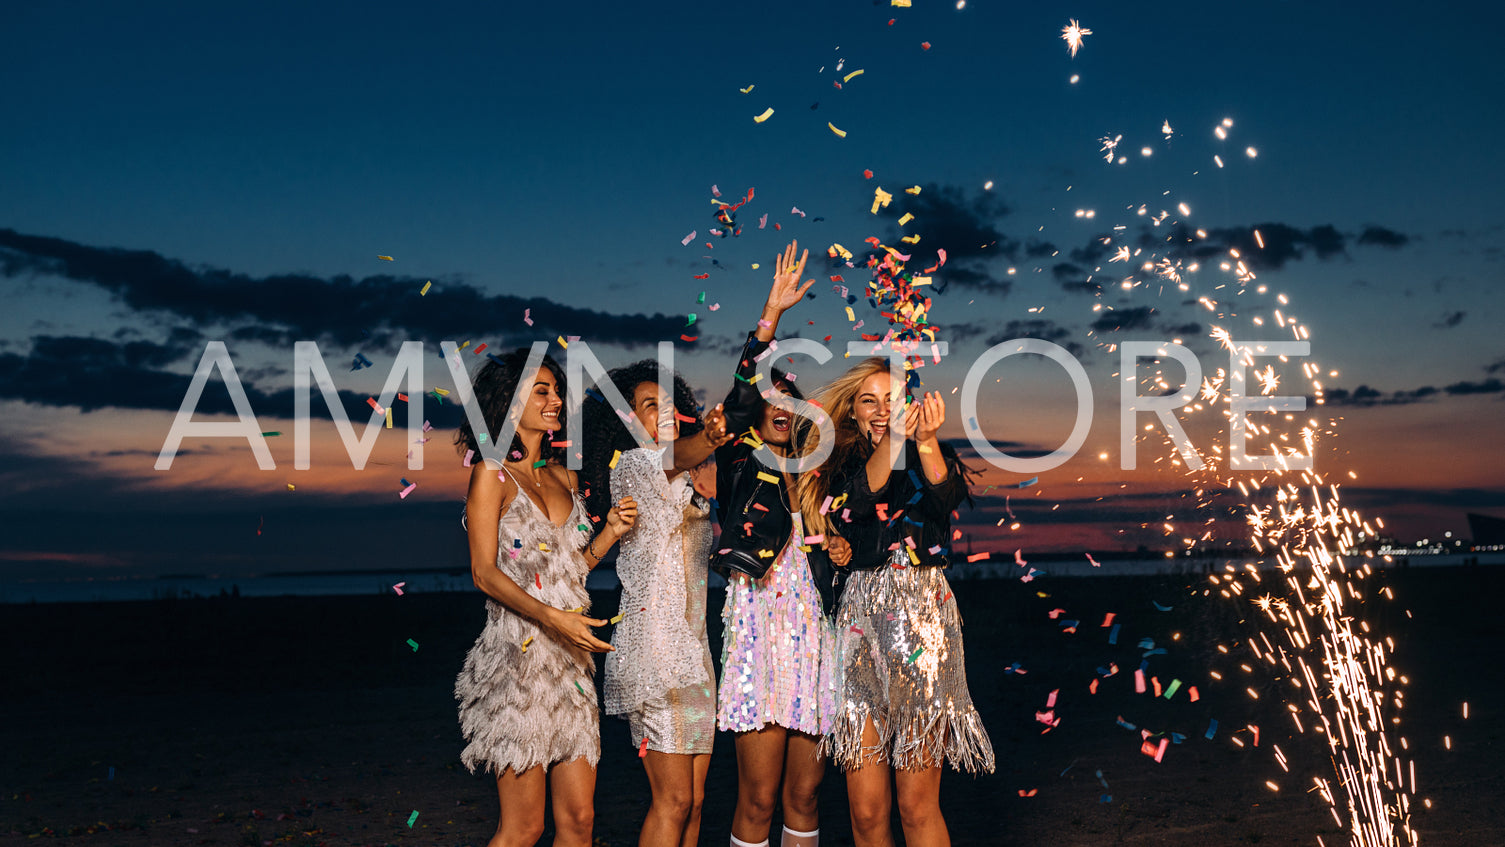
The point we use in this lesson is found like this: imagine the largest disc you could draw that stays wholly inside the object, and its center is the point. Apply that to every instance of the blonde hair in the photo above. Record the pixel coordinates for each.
(838, 399)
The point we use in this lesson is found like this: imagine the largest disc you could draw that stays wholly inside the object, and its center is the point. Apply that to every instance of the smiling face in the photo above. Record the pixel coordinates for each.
(646, 403)
(777, 420)
(541, 413)
(873, 404)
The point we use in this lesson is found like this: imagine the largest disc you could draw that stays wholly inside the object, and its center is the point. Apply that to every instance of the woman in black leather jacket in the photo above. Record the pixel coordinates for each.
(905, 708)
(777, 689)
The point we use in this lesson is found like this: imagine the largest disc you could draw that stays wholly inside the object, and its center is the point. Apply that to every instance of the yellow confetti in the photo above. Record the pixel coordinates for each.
(765, 554)
(906, 219)
(911, 239)
(442, 392)
(913, 190)
(747, 90)
(426, 287)
(920, 280)
(755, 266)
(526, 642)
(850, 315)
(291, 487)
(562, 342)
(385, 258)
(840, 133)
(576, 610)
(902, 4)
(768, 113)
(614, 457)
(768, 477)
(838, 250)
(912, 557)
(880, 198)
(543, 547)
(389, 417)
(848, 77)
(617, 618)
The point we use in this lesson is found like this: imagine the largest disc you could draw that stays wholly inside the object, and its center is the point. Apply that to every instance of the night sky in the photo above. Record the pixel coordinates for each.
(180, 174)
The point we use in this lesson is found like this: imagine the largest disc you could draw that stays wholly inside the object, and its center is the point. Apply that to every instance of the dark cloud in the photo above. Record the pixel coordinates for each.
(1496, 367)
(296, 306)
(93, 374)
(1364, 395)
(1383, 237)
(1038, 328)
(1074, 278)
(1138, 317)
(1488, 386)
(1450, 320)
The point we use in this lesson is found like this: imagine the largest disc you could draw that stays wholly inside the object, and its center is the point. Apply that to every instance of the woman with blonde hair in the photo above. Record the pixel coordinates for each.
(904, 708)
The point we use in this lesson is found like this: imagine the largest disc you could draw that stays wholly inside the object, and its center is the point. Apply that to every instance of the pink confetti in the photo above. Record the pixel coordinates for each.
(763, 221)
(1050, 702)
(795, 210)
(715, 192)
(398, 588)
(1019, 558)
(1139, 681)
(1093, 561)
(527, 318)
(469, 455)
(406, 491)
(688, 238)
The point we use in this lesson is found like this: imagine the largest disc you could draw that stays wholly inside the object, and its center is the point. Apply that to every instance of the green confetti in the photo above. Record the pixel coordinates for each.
(582, 527)
(578, 688)
(1170, 690)
(265, 434)
(481, 438)
(691, 321)
(413, 644)
(914, 655)
(412, 818)
(701, 298)
(540, 463)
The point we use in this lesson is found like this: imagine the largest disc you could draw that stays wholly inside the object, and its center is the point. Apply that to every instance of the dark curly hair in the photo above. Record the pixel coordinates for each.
(494, 385)
(605, 433)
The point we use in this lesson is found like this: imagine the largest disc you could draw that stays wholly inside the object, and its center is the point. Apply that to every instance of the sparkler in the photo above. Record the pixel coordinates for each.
(1073, 35)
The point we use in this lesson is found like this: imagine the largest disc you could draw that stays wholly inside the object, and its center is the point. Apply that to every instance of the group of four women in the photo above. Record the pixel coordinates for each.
(874, 680)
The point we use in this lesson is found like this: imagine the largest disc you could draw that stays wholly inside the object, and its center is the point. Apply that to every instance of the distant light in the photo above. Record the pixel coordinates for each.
(987, 186)
(1074, 78)
(961, 4)
(1250, 152)
(1145, 151)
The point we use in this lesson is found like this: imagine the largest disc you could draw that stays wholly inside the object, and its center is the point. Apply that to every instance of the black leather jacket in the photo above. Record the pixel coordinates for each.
(751, 500)
(918, 511)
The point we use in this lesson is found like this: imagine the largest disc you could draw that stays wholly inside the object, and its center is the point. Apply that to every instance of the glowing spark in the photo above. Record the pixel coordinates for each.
(1166, 129)
(1109, 145)
(1072, 35)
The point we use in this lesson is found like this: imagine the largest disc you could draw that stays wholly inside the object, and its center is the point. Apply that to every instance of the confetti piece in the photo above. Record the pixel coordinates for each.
(527, 318)
(748, 90)
(924, 45)
(1028, 482)
(291, 487)
(1212, 728)
(643, 749)
(403, 494)
(688, 238)
(270, 434)
(840, 133)
(1093, 561)
(1113, 634)
(856, 73)
(767, 477)
(767, 113)
(615, 457)
(1139, 685)
(385, 258)
(1108, 621)
(881, 199)
(425, 290)
(413, 644)
(1191, 691)
(398, 588)
(978, 557)
(915, 655)
(913, 189)
(578, 688)
(903, 4)
(526, 642)
(413, 818)
(1170, 690)
(1029, 793)
(1162, 608)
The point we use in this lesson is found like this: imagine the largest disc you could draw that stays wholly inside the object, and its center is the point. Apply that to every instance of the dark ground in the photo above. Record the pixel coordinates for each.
(311, 721)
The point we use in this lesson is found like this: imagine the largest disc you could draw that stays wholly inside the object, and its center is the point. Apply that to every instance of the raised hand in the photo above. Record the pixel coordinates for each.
(931, 413)
(786, 290)
(716, 427)
(622, 516)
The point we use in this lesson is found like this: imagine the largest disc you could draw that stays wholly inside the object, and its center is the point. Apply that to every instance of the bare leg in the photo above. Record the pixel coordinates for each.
(920, 807)
(573, 784)
(760, 768)
(803, 769)
(700, 766)
(868, 795)
(671, 777)
(522, 800)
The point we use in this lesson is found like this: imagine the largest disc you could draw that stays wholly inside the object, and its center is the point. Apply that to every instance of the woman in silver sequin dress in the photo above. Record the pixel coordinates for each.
(660, 676)
(527, 702)
(905, 707)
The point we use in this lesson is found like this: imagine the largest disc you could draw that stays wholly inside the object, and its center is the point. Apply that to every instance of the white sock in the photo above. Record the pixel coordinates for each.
(737, 842)
(795, 838)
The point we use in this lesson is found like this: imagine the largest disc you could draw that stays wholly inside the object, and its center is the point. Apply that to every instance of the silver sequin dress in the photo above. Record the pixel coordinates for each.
(660, 676)
(521, 708)
(900, 643)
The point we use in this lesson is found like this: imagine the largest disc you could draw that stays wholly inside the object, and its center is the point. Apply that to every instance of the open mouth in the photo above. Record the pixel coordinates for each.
(878, 429)
(781, 421)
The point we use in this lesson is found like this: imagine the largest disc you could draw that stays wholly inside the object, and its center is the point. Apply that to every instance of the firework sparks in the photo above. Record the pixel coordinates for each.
(1073, 35)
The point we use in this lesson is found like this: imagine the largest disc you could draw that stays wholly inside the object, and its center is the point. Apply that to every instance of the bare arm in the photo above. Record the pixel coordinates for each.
(488, 499)
(691, 451)
(785, 291)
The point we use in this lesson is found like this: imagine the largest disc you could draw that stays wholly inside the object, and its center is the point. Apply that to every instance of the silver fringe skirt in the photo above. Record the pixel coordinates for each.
(900, 641)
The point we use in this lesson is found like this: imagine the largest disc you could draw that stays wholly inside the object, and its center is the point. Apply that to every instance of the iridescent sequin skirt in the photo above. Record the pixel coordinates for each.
(900, 642)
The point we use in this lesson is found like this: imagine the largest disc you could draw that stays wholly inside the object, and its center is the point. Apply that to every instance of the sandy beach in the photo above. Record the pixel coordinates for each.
(311, 721)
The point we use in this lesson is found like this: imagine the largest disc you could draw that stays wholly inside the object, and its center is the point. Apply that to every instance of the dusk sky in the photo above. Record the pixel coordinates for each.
(172, 175)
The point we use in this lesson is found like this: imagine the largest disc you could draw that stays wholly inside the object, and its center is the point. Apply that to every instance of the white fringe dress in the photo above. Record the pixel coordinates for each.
(521, 707)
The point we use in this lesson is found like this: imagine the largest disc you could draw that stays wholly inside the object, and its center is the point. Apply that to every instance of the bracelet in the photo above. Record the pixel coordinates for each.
(591, 548)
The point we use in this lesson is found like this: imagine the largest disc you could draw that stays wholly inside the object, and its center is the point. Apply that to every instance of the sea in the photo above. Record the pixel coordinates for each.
(370, 583)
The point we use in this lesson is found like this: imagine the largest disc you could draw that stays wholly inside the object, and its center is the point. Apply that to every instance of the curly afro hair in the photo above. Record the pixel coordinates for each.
(494, 385)
(605, 433)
